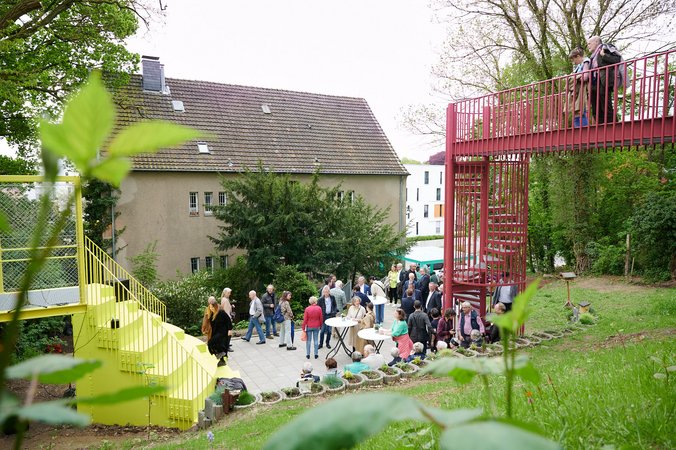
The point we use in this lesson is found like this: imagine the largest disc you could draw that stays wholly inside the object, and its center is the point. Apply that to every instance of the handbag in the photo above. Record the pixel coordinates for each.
(303, 336)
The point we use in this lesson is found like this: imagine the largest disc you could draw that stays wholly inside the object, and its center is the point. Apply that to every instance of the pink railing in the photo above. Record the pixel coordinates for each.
(538, 118)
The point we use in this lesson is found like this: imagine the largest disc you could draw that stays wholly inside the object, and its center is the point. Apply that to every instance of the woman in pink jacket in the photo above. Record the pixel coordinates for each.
(312, 322)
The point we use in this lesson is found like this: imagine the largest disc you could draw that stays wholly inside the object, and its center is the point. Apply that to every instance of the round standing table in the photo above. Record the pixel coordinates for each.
(343, 325)
(370, 334)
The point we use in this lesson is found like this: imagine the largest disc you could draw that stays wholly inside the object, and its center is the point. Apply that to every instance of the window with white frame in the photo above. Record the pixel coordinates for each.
(427, 177)
(340, 195)
(416, 228)
(194, 265)
(426, 210)
(209, 263)
(224, 261)
(352, 197)
(208, 203)
(441, 177)
(222, 200)
(417, 194)
(193, 207)
(437, 229)
(438, 194)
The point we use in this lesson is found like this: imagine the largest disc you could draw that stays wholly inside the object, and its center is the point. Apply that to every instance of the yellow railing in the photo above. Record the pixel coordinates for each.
(116, 276)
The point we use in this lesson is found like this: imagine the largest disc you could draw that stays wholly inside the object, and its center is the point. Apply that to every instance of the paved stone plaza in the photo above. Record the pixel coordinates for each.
(268, 367)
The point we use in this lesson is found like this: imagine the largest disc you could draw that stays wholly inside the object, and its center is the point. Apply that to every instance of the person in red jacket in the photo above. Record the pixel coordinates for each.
(313, 320)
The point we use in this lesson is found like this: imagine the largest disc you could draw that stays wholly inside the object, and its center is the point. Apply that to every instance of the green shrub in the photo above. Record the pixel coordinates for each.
(144, 265)
(289, 278)
(607, 259)
(217, 397)
(656, 275)
(245, 398)
(36, 336)
(186, 300)
(587, 319)
(241, 280)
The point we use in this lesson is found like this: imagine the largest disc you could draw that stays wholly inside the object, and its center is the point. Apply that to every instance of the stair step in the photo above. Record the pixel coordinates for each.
(502, 217)
(505, 225)
(509, 242)
(501, 251)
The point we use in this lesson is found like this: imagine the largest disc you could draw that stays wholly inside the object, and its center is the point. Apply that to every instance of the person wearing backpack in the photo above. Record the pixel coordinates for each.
(284, 309)
(603, 81)
(579, 92)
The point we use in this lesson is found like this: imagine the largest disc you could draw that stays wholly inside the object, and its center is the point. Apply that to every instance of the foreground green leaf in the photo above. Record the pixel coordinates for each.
(121, 396)
(149, 137)
(53, 369)
(493, 435)
(54, 413)
(112, 170)
(87, 120)
(344, 422)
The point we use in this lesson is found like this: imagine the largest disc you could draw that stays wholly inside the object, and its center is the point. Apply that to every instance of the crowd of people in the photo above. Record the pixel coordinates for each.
(420, 322)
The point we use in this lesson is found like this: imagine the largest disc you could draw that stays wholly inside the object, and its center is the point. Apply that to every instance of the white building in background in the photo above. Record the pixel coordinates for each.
(425, 200)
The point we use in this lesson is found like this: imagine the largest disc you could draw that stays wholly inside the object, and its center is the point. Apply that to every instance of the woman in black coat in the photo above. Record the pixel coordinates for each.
(221, 327)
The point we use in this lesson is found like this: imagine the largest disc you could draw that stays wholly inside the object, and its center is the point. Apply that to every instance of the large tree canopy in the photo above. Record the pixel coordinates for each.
(279, 220)
(49, 47)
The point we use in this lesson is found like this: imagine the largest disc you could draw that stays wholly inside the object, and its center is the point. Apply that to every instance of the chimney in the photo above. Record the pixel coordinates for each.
(153, 74)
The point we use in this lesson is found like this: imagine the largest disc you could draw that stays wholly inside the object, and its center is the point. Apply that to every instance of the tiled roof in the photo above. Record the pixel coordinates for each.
(302, 130)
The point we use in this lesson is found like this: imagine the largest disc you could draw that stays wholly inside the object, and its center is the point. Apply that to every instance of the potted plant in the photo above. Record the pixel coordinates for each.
(534, 340)
(390, 374)
(372, 377)
(316, 389)
(522, 342)
(353, 380)
(271, 397)
(333, 384)
(246, 399)
(291, 393)
(213, 406)
(407, 369)
(419, 362)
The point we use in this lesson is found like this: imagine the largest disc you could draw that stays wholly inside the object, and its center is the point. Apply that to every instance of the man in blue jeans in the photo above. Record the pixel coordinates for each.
(327, 303)
(255, 312)
(270, 302)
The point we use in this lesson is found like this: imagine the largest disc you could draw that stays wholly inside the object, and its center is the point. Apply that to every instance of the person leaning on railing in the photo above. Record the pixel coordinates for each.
(602, 83)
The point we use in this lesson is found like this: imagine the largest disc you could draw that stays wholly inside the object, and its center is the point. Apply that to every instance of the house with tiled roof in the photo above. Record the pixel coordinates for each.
(168, 195)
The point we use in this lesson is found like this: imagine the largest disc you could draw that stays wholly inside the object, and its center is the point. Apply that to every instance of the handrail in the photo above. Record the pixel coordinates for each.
(139, 292)
(537, 118)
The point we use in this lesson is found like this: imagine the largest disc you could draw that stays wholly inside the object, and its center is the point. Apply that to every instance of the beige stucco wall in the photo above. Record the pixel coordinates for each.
(153, 206)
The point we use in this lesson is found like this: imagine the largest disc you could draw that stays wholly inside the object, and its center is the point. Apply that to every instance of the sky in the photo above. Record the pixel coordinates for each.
(380, 50)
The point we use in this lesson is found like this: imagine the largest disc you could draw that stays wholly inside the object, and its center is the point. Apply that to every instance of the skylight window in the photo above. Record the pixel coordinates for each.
(266, 108)
(202, 147)
(178, 105)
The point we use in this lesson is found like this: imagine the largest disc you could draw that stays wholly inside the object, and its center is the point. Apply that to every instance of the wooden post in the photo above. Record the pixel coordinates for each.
(627, 257)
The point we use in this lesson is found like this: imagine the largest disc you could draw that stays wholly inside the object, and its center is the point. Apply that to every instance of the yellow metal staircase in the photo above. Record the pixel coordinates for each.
(125, 327)
(115, 319)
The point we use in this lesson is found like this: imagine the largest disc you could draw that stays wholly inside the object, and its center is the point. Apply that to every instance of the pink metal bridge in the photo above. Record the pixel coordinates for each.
(489, 143)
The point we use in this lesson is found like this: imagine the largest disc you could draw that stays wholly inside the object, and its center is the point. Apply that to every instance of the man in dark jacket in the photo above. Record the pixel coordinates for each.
(407, 302)
(423, 284)
(433, 299)
(602, 85)
(327, 303)
(270, 302)
(419, 326)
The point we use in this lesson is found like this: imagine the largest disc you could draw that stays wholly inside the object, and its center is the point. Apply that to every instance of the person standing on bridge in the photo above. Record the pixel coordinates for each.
(579, 91)
(602, 84)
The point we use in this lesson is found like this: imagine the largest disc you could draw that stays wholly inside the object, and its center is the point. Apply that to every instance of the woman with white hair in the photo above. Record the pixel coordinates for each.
(225, 301)
(396, 359)
(356, 312)
(469, 320)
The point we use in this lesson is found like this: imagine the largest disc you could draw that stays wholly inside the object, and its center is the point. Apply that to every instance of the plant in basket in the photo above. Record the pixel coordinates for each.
(291, 392)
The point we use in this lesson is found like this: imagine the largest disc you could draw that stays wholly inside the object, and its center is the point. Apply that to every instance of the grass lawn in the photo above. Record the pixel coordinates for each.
(598, 386)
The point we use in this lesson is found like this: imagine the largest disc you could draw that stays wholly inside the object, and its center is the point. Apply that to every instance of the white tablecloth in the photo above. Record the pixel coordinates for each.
(340, 323)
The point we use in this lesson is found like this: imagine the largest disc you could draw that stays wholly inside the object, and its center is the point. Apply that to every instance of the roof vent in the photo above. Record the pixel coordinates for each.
(266, 108)
(177, 105)
(202, 147)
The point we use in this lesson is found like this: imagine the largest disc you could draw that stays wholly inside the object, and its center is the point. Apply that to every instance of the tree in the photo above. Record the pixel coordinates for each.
(16, 166)
(654, 229)
(366, 242)
(278, 220)
(48, 48)
(99, 209)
